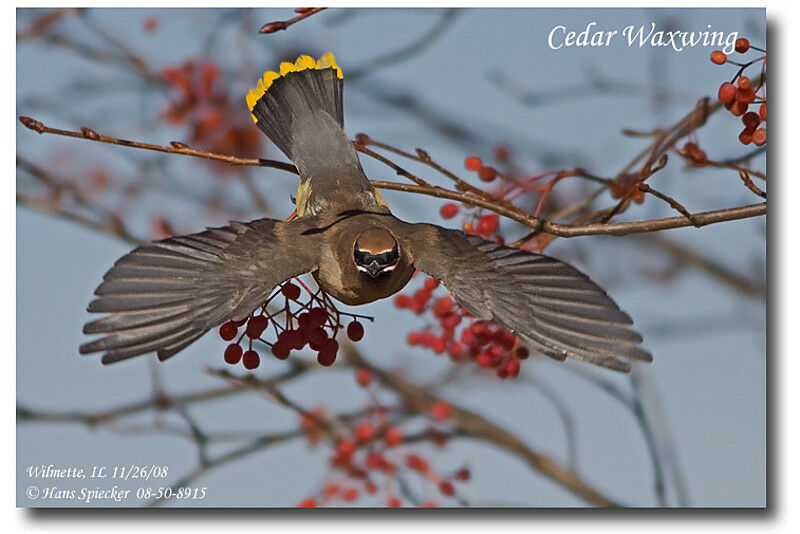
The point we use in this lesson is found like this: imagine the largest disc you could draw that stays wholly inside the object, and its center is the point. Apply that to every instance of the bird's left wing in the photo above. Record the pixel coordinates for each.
(163, 296)
(550, 305)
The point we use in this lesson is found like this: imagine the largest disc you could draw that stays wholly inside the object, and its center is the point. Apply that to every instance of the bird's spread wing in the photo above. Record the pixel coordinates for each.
(550, 305)
(163, 296)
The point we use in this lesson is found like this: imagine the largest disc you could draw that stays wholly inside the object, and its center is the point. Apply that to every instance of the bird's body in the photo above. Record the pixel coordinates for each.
(339, 275)
(163, 296)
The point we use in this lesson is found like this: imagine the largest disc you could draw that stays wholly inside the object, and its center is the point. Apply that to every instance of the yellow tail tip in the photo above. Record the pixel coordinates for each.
(303, 62)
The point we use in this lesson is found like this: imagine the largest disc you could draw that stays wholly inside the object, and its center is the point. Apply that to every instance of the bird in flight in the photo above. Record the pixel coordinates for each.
(163, 296)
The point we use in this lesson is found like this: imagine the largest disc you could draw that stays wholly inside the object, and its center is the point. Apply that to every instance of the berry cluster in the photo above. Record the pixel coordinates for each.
(375, 449)
(513, 184)
(484, 342)
(314, 323)
(485, 172)
(739, 94)
(476, 222)
(214, 120)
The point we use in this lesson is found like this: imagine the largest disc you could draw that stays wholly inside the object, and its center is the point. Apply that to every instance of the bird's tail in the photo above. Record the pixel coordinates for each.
(300, 110)
(299, 103)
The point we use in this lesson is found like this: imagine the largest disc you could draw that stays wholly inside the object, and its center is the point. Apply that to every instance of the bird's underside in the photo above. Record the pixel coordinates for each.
(163, 296)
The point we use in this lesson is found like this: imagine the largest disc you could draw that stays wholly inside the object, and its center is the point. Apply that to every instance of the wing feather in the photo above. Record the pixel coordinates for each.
(550, 305)
(163, 296)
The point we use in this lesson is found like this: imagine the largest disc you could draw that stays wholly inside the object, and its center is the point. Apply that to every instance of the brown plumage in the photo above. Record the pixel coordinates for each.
(163, 296)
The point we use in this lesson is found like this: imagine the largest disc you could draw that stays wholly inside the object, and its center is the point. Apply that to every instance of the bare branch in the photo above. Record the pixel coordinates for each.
(278, 25)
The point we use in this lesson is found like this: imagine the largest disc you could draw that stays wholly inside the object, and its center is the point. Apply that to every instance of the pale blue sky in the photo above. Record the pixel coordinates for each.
(712, 378)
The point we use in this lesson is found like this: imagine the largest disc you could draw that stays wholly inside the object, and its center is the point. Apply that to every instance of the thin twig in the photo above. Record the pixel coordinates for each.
(278, 25)
(745, 176)
(175, 148)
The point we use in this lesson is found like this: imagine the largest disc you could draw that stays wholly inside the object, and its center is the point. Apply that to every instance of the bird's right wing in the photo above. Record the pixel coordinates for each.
(163, 296)
(550, 305)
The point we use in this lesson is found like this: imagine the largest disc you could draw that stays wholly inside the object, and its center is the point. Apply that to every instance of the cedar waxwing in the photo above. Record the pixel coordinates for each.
(163, 296)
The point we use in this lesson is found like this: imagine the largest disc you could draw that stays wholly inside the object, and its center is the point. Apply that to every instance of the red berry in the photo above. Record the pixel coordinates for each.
(512, 367)
(346, 448)
(472, 163)
(256, 326)
(751, 120)
(393, 436)
(695, 153)
(737, 107)
(233, 353)
(374, 460)
(762, 111)
(463, 474)
(317, 316)
(431, 284)
(501, 153)
(742, 45)
(422, 296)
(417, 463)
(414, 338)
(393, 502)
(727, 92)
(355, 331)
(521, 353)
(718, 57)
(316, 337)
(760, 137)
(150, 24)
(487, 174)
(446, 488)
(308, 503)
(290, 291)
(745, 95)
(485, 359)
(743, 82)
(442, 306)
(403, 301)
(351, 494)
(293, 339)
(250, 359)
(327, 353)
(363, 377)
(450, 321)
(448, 211)
(746, 136)
(455, 350)
(365, 432)
(303, 323)
(487, 224)
(280, 350)
(440, 410)
(326, 359)
(228, 331)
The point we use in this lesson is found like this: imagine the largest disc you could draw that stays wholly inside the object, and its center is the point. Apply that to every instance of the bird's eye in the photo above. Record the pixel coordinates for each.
(360, 256)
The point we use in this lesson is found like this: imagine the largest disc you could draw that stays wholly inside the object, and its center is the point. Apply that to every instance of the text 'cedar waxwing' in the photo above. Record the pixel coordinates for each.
(163, 296)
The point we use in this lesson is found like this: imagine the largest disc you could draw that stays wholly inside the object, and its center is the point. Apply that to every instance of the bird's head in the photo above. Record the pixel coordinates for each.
(376, 252)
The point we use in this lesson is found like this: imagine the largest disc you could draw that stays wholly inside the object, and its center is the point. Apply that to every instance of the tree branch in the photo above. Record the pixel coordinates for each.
(476, 426)
(422, 187)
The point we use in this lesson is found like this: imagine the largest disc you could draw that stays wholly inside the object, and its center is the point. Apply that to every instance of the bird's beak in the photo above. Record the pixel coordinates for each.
(374, 269)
